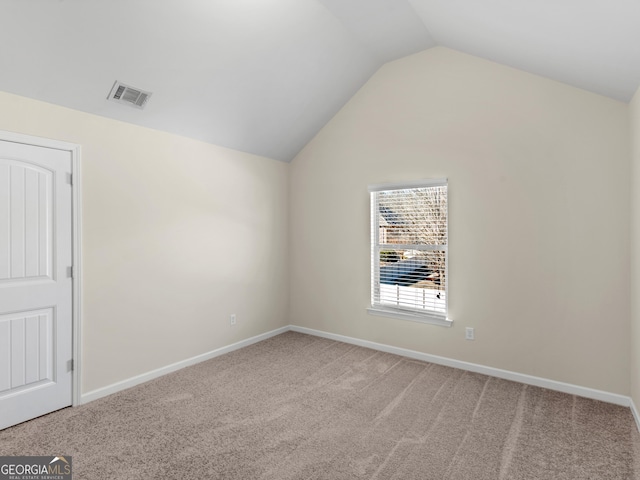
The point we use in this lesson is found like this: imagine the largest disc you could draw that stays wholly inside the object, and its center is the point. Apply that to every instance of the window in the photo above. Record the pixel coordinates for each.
(409, 251)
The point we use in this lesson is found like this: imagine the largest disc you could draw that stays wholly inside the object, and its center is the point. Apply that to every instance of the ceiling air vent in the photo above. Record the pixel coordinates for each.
(131, 96)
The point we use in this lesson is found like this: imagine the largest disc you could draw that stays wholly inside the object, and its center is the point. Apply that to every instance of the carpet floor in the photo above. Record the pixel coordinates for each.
(301, 407)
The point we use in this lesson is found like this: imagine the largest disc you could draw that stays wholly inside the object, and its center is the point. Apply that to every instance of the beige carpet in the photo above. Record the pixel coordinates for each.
(301, 407)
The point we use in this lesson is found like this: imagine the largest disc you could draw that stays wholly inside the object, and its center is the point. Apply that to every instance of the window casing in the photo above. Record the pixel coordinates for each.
(409, 245)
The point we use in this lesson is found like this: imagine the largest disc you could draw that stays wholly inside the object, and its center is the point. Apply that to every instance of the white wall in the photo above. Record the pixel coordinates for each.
(539, 216)
(634, 119)
(178, 234)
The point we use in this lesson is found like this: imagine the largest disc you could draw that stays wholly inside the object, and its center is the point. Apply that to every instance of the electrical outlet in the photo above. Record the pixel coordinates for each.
(469, 333)
(232, 319)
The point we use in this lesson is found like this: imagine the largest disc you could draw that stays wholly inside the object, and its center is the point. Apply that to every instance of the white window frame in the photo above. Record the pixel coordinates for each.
(376, 308)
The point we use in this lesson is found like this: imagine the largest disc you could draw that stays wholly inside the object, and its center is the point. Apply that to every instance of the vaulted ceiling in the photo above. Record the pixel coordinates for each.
(263, 76)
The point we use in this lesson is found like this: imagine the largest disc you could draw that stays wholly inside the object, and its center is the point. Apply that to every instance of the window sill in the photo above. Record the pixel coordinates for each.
(413, 317)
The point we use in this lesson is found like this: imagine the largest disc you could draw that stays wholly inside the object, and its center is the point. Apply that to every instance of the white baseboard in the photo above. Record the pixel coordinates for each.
(145, 377)
(634, 411)
(449, 362)
(473, 367)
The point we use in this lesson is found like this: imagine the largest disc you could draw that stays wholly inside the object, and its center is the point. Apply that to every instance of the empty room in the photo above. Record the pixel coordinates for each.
(319, 239)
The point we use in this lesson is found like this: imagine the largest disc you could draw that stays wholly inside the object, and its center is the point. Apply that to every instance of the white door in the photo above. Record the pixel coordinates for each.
(35, 281)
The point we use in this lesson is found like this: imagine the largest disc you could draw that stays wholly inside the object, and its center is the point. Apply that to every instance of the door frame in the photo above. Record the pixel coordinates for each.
(76, 245)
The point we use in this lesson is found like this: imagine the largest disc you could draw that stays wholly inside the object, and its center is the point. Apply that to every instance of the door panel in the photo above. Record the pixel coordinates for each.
(35, 290)
(26, 204)
(29, 348)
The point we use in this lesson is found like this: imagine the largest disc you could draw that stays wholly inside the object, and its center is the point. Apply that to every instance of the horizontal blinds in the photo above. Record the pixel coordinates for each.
(413, 216)
(409, 240)
(438, 182)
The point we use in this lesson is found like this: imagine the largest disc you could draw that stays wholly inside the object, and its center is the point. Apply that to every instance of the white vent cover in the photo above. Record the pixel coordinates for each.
(131, 96)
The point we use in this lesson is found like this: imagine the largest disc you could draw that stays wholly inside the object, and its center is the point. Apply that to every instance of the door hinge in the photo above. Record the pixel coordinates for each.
(70, 271)
(70, 178)
(70, 365)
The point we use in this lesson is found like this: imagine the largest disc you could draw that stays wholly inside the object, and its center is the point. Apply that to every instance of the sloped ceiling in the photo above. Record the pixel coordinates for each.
(263, 76)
